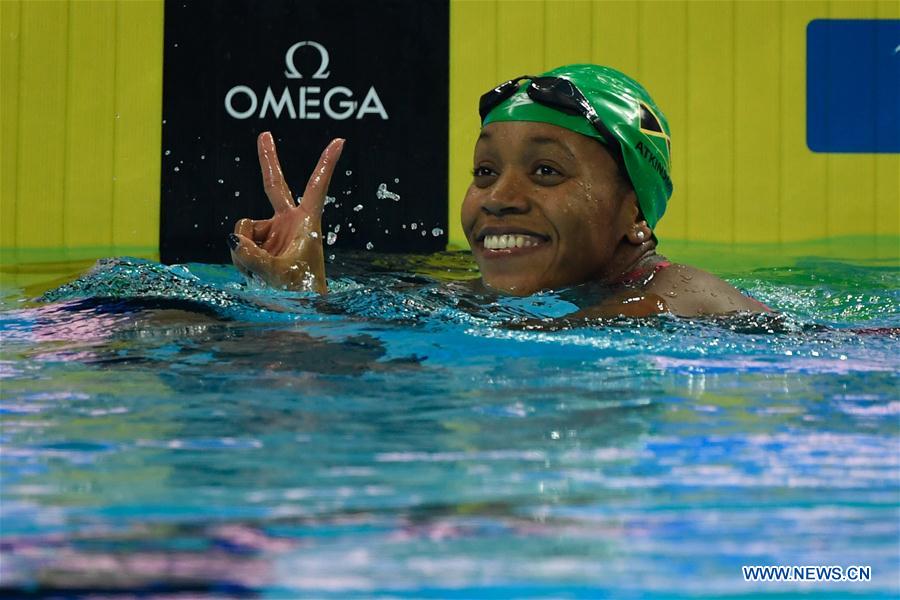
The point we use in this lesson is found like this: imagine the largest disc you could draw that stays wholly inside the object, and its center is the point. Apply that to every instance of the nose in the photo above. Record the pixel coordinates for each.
(509, 195)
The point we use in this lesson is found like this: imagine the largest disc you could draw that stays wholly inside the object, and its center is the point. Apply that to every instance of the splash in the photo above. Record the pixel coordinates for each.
(385, 194)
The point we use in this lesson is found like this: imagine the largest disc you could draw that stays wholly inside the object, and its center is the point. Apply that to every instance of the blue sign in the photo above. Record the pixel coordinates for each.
(853, 85)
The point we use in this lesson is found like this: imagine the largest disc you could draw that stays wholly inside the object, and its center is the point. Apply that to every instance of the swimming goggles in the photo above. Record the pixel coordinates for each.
(558, 93)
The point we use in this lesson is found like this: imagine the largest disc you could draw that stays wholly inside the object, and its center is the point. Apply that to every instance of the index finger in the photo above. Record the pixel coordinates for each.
(258, 231)
(277, 190)
(317, 186)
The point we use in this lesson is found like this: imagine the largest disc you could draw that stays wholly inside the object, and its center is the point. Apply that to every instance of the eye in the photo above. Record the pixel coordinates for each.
(483, 176)
(546, 171)
(545, 174)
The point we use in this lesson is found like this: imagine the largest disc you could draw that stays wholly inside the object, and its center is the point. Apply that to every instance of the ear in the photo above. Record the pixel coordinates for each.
(637, 231)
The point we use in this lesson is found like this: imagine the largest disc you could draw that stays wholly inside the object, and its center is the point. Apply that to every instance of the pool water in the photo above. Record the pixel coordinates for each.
(174, 432)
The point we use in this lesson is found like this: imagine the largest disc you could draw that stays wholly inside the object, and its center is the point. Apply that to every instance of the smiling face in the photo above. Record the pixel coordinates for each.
(546, 209)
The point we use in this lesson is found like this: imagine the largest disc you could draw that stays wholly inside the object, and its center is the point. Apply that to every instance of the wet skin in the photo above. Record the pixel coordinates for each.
(547, 209)
(562, 192)
(286, 250)
(579, 222)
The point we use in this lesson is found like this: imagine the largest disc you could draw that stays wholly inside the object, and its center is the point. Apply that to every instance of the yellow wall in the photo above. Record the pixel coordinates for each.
(81, 105)
(81, 87)
(731, 78)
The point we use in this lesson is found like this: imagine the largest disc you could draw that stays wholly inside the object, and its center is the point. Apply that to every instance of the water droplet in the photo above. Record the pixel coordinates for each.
(176, 169)
(396, 180)
(164, 121)
(348, 172)
(671, 294)
(168, 152)
(423, 233)
(382, 193)
(331, 239)
(195, 225)
(221, 181)
(357, 208)
(337, 228)
(236, 193)
(117, 115)
(369, 245)
(413, 226)
(237, 159)
(353, 230)
(314, 235)
(202, 157)
(387, 230)
(437, 231)
(404, 226)
(175, 45)
(329, 200)
(331, 257)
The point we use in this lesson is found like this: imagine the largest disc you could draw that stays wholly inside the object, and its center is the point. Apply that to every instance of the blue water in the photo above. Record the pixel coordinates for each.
(175, 432)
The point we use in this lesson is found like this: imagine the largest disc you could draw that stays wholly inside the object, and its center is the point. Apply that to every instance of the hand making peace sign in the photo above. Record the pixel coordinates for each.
(286, 250)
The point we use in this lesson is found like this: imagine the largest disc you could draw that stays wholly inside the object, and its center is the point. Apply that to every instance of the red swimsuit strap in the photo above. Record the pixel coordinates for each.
(641, 273)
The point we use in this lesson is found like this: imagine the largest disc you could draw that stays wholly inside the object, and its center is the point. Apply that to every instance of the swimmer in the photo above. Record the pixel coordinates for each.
(571, 176)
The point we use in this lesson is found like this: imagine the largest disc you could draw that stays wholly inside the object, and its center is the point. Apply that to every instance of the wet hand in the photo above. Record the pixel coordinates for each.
(286, 251)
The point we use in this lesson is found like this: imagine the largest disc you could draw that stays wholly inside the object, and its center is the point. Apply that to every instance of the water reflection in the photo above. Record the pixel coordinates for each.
(398, 438)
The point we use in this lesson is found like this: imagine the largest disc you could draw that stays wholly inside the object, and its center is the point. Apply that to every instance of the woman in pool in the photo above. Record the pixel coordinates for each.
(571, 175)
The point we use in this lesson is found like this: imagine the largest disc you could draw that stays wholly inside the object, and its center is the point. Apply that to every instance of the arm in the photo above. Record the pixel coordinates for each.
(634, 303)
(286, 251)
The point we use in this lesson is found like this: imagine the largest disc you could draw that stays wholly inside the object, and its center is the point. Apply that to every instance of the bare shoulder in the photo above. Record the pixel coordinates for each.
(678, 289)
(690, 292)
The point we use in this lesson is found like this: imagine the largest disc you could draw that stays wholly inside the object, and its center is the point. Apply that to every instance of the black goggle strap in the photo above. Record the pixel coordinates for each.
(491, 99)
(565, 96)
(557, 93)
(612, 142)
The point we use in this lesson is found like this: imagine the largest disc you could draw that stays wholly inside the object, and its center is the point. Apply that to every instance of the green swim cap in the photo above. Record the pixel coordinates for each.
(629, 113)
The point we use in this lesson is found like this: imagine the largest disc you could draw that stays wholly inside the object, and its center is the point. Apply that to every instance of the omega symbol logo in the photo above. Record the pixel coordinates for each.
(305, 102)
(291, 71)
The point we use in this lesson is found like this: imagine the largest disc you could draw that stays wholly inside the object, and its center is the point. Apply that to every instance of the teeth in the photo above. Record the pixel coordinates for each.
(501, 242)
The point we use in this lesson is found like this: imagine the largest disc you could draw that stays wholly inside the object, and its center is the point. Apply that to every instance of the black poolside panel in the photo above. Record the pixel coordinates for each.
(226, 78)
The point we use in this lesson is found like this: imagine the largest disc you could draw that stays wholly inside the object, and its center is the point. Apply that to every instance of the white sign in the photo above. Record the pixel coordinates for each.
(306, 101)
